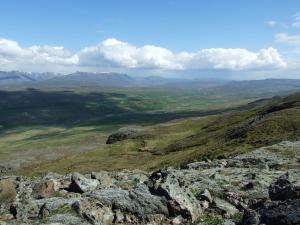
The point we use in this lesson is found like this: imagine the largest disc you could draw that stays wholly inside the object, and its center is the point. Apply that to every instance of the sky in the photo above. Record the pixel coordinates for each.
(236, 39)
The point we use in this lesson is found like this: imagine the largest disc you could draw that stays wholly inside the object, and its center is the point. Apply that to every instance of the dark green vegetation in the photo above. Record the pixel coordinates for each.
(57, 130)
(82, 106)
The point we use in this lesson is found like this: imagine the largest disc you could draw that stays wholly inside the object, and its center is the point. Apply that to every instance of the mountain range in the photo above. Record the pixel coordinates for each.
(18, 79)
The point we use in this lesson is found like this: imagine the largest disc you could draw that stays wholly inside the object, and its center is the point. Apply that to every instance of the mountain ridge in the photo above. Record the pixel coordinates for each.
(112, 79)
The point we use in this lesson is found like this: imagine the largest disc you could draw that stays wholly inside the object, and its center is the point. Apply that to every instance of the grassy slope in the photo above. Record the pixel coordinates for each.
(185, 140)
(66, 130)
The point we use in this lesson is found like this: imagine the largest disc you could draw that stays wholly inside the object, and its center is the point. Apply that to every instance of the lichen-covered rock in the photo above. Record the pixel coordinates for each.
(181, 200)
(81, 184)
(44, 189)
(94, 211)
(138, 201)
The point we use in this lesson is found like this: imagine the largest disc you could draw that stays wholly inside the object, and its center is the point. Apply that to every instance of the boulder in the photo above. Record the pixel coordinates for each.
(283, 213)
(138, 201)
(125, 133)
(181, 200)
(81, 184)
(282, 189)
(7, 191)
(44, 189)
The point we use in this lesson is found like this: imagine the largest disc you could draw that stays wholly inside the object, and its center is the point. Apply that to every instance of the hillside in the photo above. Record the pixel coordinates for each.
(175, 143)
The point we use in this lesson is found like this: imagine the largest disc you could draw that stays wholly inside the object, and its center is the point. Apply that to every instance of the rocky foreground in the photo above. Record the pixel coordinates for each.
(261, 187)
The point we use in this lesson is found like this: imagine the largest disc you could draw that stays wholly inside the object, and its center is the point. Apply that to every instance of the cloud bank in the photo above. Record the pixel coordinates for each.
(115, 54)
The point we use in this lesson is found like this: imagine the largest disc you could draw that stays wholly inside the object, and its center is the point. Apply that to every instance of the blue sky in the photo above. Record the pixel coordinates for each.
(174, 24)
(178, 26)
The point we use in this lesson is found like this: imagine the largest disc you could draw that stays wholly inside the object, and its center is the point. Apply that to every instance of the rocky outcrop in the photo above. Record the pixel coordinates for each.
(182, 201)
(81, 184)
(260, 187)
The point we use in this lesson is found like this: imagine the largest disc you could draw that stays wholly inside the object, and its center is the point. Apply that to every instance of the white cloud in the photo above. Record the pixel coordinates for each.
(271, 23)
(114, 54)
(288, 39)
(121, 54)
(13, 56)
(296, 20)
(233, 59)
